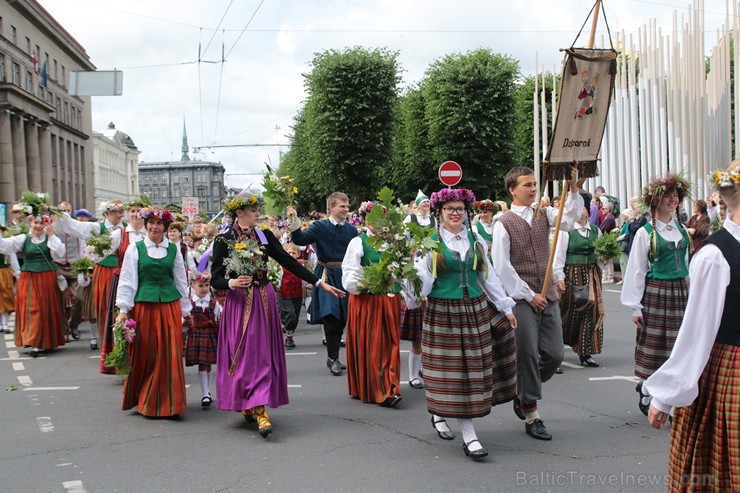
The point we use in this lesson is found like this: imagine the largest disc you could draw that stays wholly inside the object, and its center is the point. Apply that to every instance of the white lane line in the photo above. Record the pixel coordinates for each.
(24, 380)
(571, 365)
(613, 290)
(290, 353)
(65, 464)
(9, 337)
(295, 386)
(45, 424)
(10, 344)
(18, 366)
(50, 388)
(94, 357)
(17, 358)
(615, 377)
(404, 351)
(74, 486)
(187, 386)
(13, 354)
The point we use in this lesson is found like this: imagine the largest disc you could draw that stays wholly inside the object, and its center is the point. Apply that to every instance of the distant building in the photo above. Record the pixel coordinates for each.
(44, 132)
(169, 181)
(116, 166)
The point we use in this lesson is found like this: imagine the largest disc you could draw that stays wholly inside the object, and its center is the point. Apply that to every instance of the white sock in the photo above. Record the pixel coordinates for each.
(532, 416)
(94, 333)
(414, 365)
(203, 379)
(4, 317)
(440, 425)
(468, 434)
(210, 378)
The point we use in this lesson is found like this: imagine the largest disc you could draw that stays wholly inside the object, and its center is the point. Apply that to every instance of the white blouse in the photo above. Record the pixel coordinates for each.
(514, 285)
(14, 244)
(459, 243)
(351, 265)
(128, 283)
(83, 230)
(205, 302)
(676, 383)
(638, 264)
(422, 220)
(561, 252)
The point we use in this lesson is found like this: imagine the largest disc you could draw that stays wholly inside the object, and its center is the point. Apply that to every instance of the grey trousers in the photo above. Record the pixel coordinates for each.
(539, 348)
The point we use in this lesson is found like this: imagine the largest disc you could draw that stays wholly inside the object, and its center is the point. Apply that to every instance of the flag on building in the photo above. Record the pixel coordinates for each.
(43, 74)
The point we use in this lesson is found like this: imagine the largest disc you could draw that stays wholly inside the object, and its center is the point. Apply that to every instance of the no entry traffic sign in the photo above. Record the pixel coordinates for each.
(450, 173)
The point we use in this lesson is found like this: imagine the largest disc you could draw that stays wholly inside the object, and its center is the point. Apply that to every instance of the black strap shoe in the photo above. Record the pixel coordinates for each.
(444, 435)
(644, 408)
(391, 401)
(518, 409)
(537, 430)
(475, 454)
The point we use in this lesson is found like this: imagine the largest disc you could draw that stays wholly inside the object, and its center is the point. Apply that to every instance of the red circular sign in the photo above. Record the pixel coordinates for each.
(450, 173)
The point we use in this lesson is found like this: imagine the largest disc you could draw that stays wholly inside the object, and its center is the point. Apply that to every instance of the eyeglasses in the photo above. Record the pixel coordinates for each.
(454, 210)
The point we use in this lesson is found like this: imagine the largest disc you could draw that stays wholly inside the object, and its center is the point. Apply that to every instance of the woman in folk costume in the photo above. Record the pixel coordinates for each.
(701, 379)
(576, 265)
(153, 291)
(39, 321)
(251, 371)
(468, 346)
(411, 318)
(373, 324)
(484, 226)
(10, 270)
(655, 284)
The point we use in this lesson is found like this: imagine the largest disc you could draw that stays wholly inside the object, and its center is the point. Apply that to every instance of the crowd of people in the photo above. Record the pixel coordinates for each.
(488, 326)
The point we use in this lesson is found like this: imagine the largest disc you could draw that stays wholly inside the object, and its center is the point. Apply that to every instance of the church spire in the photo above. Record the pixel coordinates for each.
(185, 148)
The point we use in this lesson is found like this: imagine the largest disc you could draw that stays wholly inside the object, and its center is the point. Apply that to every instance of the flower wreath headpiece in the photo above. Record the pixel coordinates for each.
(111, 207)
(445, 195)
(152, 213)
(198, 276)
(142, 200)
(659, 186)
(724, 179)
(366, 207)
(233, 203)
(484, 206)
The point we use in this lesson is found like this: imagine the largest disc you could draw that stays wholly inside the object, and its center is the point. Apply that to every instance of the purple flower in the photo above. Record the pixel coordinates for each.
(445, 195)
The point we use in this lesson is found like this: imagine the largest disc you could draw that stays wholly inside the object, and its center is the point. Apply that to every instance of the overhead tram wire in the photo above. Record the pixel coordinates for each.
(200, 91)
(220, 80)
(245, 28)
(216, 30)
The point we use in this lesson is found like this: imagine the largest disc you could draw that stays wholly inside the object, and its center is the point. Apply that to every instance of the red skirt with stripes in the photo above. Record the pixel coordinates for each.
(39, 316)
(156, 384)
(468, 353)
(705, 436)
(373, 347)
(663, 305)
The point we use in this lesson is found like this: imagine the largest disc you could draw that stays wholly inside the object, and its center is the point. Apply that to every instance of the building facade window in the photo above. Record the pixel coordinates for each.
(2, 67)
(66, 113)
(16, 74)
(164, 180)
(216, 191)
(13, 35)
(29, 83)
(64, 77)
(56, 70)
(28, 46)
(201, 192)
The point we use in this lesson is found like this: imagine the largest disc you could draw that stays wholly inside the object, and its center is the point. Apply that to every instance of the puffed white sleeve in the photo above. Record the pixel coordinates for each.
(15, 267)
(676, 383)
(571, 212)
(56, 247)
(351, 266)
(128, 283)
(13, 244)
(217, 310)
(423, 267)
(637, 267)
(192, 266)
(558, 265)
(76, 229)
(181, 283)
(491, 284)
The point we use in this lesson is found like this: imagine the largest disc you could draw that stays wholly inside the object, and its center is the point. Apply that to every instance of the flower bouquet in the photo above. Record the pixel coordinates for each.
(606, 246)
(123, 335)
(245, 257)
(99, 244)
(37, 204)
(280, 190)
(82, 265)
(397, 244)
(274, 271)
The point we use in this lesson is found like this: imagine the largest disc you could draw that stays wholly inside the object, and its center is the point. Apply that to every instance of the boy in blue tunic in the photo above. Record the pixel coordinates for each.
(331, 237)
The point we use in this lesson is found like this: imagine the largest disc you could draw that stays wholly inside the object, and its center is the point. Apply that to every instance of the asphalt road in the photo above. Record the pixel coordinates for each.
(62, 430)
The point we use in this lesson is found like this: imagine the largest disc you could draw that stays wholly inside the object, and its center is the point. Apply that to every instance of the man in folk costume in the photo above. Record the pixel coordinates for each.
(330, 238)
(520, 257)
(412, 318)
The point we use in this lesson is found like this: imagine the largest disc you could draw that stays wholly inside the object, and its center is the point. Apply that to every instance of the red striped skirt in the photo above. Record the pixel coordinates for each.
(469, 357)
(663, 305)
(156, 384)
(373, 347)
(7, 303)
(705, 436)
(39, 316)
(101, 290)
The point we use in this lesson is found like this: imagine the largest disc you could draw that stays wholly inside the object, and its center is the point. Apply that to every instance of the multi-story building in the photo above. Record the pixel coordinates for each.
(44, 132)
(168, 182)
(116, 165)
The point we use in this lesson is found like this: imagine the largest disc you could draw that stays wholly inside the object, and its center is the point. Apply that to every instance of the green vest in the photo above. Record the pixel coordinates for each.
(112, 259)
(457, 274)
(156, 276)
(669, 261)
(4, 261)
(580, 249)
(37, 258)
(482, 232)
(369, 254)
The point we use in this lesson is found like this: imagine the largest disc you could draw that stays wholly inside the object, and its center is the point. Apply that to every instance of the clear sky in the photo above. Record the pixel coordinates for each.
(156, 43)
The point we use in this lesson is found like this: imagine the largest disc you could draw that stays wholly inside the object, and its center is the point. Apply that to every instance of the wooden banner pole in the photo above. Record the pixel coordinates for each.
(566, 184)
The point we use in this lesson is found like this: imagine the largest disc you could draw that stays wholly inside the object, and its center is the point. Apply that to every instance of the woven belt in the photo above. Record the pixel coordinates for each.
(327, 266)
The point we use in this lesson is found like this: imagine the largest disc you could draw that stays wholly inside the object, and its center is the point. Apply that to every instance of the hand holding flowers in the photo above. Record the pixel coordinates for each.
(280, 190)
(124, 331)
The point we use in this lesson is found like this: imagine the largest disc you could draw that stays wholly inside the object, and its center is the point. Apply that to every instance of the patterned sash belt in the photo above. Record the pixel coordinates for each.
(327, 266)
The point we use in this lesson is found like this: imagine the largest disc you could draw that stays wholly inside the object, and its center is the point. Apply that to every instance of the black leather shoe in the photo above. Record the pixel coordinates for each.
(391, 401)
(475, 454)
(518, 409)
(588, 361)
(323, 341)
(334, 366)
(289, 343)
(444, 435)
(206, 401)
(415, 383)
(644, 408)
(34, 353)
(342, 365)
(559, 370)
(537, 430)
(93, 346)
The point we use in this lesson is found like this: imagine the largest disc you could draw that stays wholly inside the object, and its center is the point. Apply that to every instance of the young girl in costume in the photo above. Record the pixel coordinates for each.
(202, 325)
(655, 286)
(9, 273)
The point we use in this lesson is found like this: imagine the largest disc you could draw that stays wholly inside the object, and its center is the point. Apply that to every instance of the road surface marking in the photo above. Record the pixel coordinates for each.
(613, 290)
(290, 353)
(45, 424)
(24, 380)
(9, 337)
(295, 386)
(94, 357)
(51, 388)
(18, 366)
(17, 358)
(571, 365)
(13, 354)
(10, 344)
(615, 377)
(65, 464)
(74, 486)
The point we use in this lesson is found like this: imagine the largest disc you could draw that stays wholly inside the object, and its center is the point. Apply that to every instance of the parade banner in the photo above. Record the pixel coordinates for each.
(190, 206)
(585, 95)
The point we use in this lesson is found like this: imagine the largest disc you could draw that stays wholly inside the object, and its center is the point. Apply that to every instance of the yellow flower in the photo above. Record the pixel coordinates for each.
(287, 177)
(240, 246)
(252, 200)
(295, 190)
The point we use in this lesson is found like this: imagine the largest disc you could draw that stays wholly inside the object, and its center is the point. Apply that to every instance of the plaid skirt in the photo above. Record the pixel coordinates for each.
(469, 357)
(583, 330)
(663, 305)
(705, 436)
(202, 341)
(411, 323)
